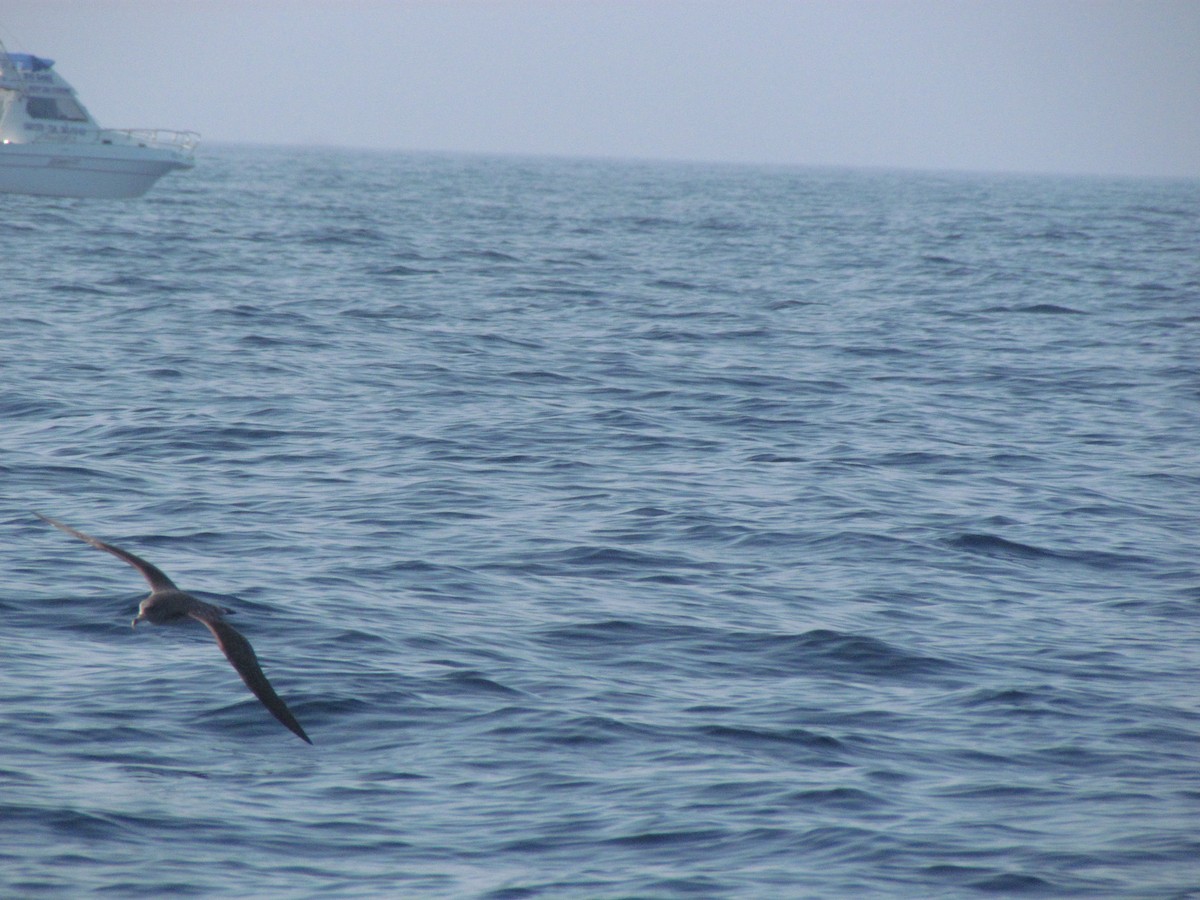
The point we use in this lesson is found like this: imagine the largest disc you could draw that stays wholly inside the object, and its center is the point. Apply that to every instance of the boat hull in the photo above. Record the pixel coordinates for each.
(97, 171)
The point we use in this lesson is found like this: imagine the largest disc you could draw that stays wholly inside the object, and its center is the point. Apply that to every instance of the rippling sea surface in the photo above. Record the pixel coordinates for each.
(615, 530)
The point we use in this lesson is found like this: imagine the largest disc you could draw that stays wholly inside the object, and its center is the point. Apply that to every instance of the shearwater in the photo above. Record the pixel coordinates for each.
(169, 605)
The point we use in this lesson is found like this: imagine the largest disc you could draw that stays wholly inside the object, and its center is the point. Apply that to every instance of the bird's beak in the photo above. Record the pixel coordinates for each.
(138, 619)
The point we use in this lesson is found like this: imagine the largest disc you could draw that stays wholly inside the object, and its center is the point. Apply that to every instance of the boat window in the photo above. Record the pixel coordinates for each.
(61, 109)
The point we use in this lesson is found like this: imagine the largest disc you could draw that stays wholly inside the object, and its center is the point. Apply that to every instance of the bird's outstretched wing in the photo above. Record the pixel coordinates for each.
(239, 652)
(154, 575)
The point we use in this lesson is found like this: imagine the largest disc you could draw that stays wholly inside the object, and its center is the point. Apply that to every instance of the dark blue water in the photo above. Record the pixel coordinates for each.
(615, 530)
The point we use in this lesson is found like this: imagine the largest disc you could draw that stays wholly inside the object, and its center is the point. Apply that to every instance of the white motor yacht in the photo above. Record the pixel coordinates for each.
(50, 144)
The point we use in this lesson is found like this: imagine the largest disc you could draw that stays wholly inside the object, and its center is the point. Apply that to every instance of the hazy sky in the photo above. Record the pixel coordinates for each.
(1092, 86)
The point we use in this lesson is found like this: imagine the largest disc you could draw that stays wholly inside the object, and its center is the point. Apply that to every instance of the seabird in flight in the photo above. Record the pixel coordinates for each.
(168, 605)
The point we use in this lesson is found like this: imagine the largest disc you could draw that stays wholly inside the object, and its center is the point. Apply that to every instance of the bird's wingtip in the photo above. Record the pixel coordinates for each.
(50, 520)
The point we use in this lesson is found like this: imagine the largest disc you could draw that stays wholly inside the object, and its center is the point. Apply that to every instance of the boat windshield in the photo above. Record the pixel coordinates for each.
(59, 109)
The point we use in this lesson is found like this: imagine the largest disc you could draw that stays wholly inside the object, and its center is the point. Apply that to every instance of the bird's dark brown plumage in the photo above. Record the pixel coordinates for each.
(168, 604)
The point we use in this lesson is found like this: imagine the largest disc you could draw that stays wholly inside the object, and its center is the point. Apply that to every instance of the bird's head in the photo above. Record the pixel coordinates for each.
(158, 608)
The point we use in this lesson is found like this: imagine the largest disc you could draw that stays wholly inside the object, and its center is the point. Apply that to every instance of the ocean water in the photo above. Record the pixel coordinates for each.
(616, 530)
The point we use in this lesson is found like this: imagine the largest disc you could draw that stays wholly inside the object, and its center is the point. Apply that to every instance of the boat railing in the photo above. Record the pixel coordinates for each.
(182, 142)
(159, 138)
